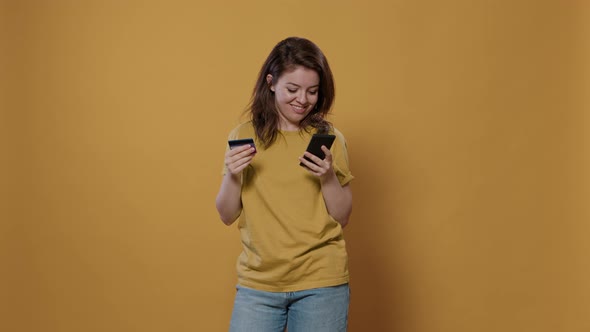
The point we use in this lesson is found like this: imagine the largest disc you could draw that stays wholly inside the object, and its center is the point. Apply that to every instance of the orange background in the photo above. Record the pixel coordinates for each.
(467, 124)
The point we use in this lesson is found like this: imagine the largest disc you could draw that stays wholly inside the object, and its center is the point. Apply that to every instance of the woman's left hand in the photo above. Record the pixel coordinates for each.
(320, 168)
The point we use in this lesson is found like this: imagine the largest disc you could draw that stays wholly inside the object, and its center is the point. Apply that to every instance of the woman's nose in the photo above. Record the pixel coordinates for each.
(302, 98)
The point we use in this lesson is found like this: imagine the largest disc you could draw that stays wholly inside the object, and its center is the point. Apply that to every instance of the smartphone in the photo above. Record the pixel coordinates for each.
(239, 142)
(315, 145)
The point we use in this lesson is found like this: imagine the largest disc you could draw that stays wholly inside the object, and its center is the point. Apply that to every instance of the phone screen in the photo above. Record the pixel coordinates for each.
(315, 145)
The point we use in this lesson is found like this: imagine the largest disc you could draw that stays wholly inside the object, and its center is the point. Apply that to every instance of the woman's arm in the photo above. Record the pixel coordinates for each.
(229, 198)
(338, 198)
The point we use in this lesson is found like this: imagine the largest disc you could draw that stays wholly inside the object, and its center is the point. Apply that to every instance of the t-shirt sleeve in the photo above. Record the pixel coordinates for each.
(340, 159)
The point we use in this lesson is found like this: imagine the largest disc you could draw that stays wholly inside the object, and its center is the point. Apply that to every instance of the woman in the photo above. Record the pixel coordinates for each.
(293, 269)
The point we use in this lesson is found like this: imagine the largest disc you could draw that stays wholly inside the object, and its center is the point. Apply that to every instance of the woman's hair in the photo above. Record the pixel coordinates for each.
(285, 56)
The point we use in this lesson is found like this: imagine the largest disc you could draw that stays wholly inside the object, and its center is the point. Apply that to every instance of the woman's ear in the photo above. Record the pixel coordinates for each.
(269, 82)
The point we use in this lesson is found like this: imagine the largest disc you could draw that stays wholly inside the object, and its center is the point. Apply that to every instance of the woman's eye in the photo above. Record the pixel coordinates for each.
(313, 92)
(292, 91)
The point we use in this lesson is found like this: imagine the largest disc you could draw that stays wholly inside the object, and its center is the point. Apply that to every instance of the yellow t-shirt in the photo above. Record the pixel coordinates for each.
(289, 240)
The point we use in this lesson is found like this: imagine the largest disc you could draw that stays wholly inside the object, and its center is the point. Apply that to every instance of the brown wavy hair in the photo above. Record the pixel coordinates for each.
(285, 56)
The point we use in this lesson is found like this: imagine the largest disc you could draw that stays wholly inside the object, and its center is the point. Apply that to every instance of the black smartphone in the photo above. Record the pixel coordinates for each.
(315, 145)
(239, 142)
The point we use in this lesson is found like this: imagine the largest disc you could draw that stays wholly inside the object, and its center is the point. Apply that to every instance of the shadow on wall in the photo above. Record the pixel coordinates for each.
(379, 284)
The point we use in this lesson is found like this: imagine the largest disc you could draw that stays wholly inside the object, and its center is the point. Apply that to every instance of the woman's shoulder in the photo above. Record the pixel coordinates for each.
(339, 135)
(242, 130)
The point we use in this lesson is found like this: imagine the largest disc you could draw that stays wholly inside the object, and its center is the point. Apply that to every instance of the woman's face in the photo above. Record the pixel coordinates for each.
(296, 93)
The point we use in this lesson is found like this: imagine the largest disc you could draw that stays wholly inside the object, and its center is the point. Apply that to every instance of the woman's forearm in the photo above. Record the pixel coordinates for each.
(338, 199)
(229, 201)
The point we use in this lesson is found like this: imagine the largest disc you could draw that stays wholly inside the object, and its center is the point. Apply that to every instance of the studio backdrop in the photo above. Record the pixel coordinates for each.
(467, 128)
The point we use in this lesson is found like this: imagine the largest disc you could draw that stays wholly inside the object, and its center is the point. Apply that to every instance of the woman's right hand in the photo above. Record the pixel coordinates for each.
(239, 158)
(228, 201)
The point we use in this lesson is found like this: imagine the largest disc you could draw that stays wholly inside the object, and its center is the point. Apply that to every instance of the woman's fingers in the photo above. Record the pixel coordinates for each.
(317, 166)
(238, 158)
(328, 153)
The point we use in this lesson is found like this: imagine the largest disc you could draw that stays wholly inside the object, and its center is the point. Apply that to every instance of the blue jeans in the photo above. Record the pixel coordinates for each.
(317, 310)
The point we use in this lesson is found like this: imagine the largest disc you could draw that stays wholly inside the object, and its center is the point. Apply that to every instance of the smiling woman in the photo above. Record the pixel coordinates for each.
(294, 259)
(296, 73)
(296, 95)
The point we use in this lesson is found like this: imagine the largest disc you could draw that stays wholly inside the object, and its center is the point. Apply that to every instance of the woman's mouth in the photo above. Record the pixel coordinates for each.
(298, 109)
